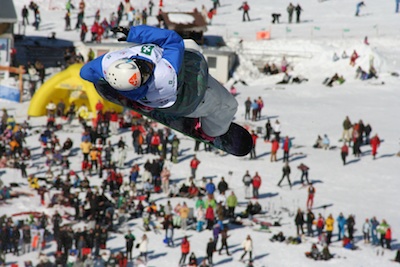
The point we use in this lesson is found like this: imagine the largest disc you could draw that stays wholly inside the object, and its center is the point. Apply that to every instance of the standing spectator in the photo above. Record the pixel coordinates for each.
(374, 233)
(114, 122)
(210, 251)
(285, 173)
(260, 103)
(375, 142)
(247, 105)
(310, 222)
(37, 19)
(298, 13)
(222, 186)
(366, 228)
(84, 30)
(194, 164)
(347, 126)
(185, 249)
(151, 5)
(304, 173)
(129, 240)
(79, 20)
(143, 247)
(245, 7)
(329, 228)
(231, 202)
(358, 7)
(165, 176)
(277, 130)
(256, 182)
(320, 226)
(268, 130)
(382, 230)
(210, 217)
(90, 55)
(397, 6)
(299, 221)
(210, 187)
(224, 238)
(344, 151)
(353, 58)
(388, 238)
(350, 226)
(67, 19)
(274, 149)
(310, 198)
(26, 239)
(25, 15)
(290, 10)
(367, 132)
(287, 144)
(254, 137)
(247, 181)
(247, 246)
(254, 109)
(341, 222)
(184, 214)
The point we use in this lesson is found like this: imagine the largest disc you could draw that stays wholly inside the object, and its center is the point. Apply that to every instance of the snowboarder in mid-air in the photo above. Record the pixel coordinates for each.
(159, 72)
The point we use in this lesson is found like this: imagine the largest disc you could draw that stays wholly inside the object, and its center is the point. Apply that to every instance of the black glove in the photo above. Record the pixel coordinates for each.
(123, 30)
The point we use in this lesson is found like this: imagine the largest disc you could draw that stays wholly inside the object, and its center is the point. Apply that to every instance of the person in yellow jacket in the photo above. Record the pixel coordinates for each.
(329, 223)
(94, 154)
(86, 146)
(184, 214)
(33, 182)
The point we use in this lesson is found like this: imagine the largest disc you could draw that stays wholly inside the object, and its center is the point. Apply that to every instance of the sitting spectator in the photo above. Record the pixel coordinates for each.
(67, 144)
(267, 69)
(293, 240)
(318, 142)
(184, 190)
(314, 253)
(361, 74)
(325, 142)
(335, 57)
(286, 79)
(348, 243)
(274, 69)
(299, 79)
(372, 73)
(278, 237)
(326, 255)
(193, 190)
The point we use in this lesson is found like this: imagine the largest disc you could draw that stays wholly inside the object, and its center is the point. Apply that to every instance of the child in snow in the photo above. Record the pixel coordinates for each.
(160, 73)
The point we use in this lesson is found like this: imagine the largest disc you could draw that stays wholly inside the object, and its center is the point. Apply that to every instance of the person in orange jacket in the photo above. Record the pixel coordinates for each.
(185, 249)
(274, 149)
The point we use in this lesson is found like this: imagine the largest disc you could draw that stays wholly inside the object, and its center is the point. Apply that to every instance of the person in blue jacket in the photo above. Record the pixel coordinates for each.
(358, 7)
(341, 221)
(159, 72)
(210, 187)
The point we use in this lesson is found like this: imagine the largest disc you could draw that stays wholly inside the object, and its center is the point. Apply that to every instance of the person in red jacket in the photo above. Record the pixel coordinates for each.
(344, 152)
(274, 149)
(194, 163)
(254, 137)
(375, 142)
(94, 30)
(185, 249)
(245, 7)
(388, 238)
(210, 217)
(287, 144)
(114, 122)
(256, 185)
(155, 142)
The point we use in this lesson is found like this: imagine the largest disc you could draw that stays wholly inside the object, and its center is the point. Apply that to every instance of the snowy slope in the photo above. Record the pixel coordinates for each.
(365, 187)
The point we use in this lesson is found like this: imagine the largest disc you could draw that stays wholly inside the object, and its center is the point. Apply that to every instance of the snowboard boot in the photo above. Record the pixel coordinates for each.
(202, 134)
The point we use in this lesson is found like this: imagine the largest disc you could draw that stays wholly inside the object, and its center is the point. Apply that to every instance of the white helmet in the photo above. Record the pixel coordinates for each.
(124, 74)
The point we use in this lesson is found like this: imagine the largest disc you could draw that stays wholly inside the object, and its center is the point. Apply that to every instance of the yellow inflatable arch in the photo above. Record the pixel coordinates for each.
(70, 87)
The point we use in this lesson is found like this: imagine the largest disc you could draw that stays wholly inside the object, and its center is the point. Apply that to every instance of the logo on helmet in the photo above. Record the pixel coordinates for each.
(134, 80)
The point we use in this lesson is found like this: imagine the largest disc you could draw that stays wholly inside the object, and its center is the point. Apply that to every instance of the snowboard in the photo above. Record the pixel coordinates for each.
(237, 141)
